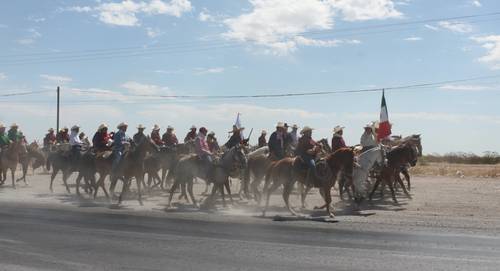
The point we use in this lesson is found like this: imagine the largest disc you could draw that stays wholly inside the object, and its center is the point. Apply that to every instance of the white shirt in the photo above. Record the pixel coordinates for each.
(74, 140)
(368, 140)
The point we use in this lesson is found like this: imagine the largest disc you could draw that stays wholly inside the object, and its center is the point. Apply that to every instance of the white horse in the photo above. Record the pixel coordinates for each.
(366, 161)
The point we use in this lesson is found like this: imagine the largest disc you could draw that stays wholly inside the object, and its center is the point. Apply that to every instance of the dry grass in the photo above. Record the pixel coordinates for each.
(457, 170)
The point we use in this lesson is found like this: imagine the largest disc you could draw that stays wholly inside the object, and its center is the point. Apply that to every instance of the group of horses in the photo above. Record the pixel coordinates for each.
(260, 175)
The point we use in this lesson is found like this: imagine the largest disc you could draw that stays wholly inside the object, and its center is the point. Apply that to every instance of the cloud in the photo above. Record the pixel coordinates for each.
(205, 16)
(362, 10)
(36, 19)
(278, 24)
(137, 88)
(179, 71)
(431, 27)
(457, 27)
(125, 13)
(56, 78)
(201, 71)
(300, 40)
(3, 76)
(153, 32)
(31, 37)
(465, 87)
(492, 45)
(476, 3)
(413, 39)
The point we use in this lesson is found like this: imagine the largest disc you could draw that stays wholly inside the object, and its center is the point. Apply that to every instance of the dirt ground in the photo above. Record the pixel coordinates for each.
(464, 204)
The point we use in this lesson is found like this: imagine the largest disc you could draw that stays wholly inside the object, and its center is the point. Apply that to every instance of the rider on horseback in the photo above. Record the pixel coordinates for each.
(307, 149)
(368, 138)
(277, 142)
(155, 136)
(13, 133)
(101, 139)
(139, 137)
(262, 139)
(235, 138)
(202, 150)
(191, 135)
(213, 145)
(75, 142)
(119, 141)
(62, 136)
(169, 137)
(337, 140)
(50, 139)
(4, 139)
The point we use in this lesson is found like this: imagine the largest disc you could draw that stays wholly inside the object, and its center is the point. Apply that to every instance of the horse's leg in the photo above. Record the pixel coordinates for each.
(303, 195)
(172, 191)
(390, 183)
(163, 177)
(287, 190)
(139, 179)
(398, 179)
(12, 173)
(407, 177)
(191, 194)
(228, 188)
(66, 175)
(112, 186)
(269, 191)
(183, 192)
(126, 183)
(221, 188)
(377, 183)
(78, 180)
(255, 190)
(328, 201)
(52, 177)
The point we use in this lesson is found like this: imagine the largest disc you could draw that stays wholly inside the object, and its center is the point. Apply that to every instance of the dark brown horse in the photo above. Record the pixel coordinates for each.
(290, 170)
(396, 158)
(34, 156)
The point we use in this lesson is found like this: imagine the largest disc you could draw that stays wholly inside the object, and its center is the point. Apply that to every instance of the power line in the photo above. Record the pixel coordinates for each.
(189, 47)
(23, 93)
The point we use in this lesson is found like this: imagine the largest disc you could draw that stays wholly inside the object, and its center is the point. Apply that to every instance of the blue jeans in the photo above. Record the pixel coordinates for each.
(117, 158)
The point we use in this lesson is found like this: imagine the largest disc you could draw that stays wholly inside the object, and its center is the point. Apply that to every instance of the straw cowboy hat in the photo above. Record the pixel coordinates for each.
(102, 126)
(141, 126)
(14, 125)
(193, 127)
(75, 127)
(50, 129)
(306, 129)
(156, 127)
(212, 133)
(264, 132)
(122, 124)
(170, 128)
(338, 128)
(295, 126)
(368, 126)
(280, 125)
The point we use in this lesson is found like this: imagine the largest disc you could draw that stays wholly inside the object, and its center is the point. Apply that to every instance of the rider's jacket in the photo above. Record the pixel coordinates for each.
(170, 139)
(201, 145)
(155, 136)
(100, 141)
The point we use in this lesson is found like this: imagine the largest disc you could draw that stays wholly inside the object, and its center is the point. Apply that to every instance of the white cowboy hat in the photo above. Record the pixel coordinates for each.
(14, 125)
(193, 127)
(338, 128)
(141, 126)
(305, 129)
(211, 133)
(50, 129)
(368, 126)
(102, 126)
(75, 127)
(280, 125)
(122, 124)
(156, 127)
(170, 127)
(264, 132)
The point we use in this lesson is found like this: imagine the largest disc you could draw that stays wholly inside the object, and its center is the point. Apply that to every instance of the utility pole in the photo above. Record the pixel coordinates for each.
(57, 125)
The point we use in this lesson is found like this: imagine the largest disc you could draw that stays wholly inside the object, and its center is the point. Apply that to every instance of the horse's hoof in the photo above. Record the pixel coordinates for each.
(331, 215)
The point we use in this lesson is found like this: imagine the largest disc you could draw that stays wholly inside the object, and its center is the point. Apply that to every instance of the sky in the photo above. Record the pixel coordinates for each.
(127, 60)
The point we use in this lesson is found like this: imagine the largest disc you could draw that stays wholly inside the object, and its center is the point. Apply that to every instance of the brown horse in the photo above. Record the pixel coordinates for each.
(33, 156)
(290, 170)
(10, 159)
(396, 159)
(132, 166)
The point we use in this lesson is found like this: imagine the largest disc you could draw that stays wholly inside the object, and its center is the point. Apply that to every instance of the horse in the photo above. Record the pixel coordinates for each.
(190, 166)
(132, 166)
(396, 158)
(416, 141)
(33, 154)
(258, 163)
(366, 162)
(287, 171)
(10, 159)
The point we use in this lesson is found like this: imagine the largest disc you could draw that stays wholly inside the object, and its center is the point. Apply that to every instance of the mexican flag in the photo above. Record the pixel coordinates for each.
(384, 129)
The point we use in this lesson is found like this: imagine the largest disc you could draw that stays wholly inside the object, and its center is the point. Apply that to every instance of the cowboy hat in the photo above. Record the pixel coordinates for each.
(122, 124)
(170, 127)
(141, 126)
(280, 125)
(2, 126)
(338, 128)
(14, 125)
(295, 126)
(368, 126)
(193, 127)
(50, 129)
(75, 127)
(211, 133)
(156, 127)
(102, 126)
(305, 129)
(264, 132)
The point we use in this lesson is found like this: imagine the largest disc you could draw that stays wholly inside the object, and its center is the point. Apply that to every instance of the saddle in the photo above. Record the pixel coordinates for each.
(103, 154)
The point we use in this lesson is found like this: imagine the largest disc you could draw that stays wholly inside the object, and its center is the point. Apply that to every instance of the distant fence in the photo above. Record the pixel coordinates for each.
(489, 158)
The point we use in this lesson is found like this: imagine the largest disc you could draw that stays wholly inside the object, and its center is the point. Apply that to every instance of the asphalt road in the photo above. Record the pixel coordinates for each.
(34, 238)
